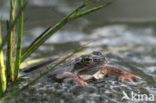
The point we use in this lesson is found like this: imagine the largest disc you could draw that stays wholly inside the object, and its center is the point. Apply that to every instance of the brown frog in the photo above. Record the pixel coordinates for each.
(85, 67)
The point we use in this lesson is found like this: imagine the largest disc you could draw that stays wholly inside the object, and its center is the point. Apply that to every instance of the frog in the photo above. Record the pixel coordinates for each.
(89, 66)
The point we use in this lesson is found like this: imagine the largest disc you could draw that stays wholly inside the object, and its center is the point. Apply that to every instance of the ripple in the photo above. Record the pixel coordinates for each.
(119, 35)
(63, 37)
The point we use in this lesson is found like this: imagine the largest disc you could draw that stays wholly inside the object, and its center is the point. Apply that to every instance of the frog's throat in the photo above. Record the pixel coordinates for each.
(99, 74)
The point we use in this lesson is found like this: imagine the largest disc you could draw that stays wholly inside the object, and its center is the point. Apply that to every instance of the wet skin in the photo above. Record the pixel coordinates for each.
(90, 66)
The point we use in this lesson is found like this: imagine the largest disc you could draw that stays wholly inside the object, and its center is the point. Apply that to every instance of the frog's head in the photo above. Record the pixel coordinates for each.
(90, 64)
(91, 60)
(94, 57)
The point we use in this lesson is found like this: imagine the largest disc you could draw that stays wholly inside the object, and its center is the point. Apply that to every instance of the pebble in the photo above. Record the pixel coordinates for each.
(56, 86)
(90, 89)
(101, 90)
(81, 100)
(77, 89)
(68, 97)
(117, 89)
(59, 93)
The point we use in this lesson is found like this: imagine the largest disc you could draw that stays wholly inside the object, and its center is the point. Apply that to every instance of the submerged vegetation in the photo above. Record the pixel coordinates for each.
(14, 57)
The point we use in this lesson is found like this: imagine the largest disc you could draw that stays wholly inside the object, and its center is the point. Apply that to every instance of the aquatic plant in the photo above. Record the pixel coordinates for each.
(19, 42)
(2, 69)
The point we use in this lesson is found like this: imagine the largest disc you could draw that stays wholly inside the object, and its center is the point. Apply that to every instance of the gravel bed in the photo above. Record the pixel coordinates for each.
(106, 90)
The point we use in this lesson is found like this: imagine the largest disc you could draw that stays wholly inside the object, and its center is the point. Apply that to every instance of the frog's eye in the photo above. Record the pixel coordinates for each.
(87, 60)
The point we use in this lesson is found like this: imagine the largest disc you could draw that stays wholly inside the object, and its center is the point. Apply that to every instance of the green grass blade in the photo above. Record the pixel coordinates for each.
(5, 39)
(91, 10)
(11, 43)
(2, 69)
(19, 42)
(50, 31)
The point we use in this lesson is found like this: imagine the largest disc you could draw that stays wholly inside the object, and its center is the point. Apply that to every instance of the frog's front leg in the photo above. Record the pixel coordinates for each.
(74, 77)
(123, 75)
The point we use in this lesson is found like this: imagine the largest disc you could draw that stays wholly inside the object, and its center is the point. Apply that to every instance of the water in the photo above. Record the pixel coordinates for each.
(131, 45)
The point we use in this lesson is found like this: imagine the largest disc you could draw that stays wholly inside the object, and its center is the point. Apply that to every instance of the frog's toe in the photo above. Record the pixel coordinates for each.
(83, 83)
(135, 76)
(79, 81)
(121, 79)
(128, 76)
(130, 79)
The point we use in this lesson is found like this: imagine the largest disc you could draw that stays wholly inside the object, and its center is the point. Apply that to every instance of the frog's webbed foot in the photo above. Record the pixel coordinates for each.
(72, 76)
(123, 75)
(128, 76)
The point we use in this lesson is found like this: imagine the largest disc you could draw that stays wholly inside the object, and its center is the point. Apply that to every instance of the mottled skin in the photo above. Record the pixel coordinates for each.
(86, 67)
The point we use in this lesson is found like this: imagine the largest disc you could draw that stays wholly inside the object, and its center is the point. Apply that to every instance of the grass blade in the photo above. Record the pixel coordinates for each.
(11, 43)
(91, 10)
(12, 25)
(19, 42)
(2, 69)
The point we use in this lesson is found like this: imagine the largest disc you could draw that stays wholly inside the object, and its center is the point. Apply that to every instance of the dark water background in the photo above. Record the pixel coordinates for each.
(127, 30)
